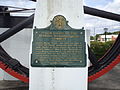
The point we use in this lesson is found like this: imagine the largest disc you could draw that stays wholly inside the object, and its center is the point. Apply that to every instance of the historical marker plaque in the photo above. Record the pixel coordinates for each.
(58, 46)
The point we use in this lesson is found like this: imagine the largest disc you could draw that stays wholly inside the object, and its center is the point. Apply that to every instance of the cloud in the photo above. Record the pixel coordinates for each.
(113, 7)
(96, 3)
(91, 22)
(19, 3)
(96, 24)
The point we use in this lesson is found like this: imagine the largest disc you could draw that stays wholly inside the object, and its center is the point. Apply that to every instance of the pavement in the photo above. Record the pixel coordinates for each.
(13, 85)
(109, 81)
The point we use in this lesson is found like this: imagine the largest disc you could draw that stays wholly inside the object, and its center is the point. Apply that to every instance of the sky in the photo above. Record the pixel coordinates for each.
(97, 3)
(95, 24)
(19, 3)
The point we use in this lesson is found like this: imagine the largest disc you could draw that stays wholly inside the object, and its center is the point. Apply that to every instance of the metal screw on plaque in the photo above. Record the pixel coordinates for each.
(36, 61)
(81, 33)
(80, 61)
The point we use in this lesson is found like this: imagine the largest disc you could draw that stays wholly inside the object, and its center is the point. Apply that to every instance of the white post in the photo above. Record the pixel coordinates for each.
(59, 78)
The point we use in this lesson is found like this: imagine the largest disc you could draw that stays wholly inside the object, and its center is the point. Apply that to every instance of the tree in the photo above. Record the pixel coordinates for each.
(100, 48)
(91, 37)
(97, 36)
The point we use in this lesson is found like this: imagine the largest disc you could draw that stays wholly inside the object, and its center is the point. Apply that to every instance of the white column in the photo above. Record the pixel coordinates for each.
(88, 42)
(60, 78)
(88, 36)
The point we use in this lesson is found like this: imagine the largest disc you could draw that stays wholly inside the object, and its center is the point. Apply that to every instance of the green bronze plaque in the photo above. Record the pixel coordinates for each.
(58, 45)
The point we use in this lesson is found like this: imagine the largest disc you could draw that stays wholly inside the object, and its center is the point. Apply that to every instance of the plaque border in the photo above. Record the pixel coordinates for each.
(64, 27)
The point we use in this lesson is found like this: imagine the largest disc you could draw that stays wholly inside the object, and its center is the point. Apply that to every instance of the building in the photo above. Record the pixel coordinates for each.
(108, 38)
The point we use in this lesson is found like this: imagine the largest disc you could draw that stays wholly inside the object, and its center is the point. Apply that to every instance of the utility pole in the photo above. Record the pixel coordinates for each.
(105, 29)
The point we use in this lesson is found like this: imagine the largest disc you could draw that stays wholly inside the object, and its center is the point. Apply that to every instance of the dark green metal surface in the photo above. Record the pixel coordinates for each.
(58, 46)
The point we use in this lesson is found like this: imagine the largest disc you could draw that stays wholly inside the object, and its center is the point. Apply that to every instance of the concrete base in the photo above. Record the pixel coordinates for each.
(109, 81)
(13, 85)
